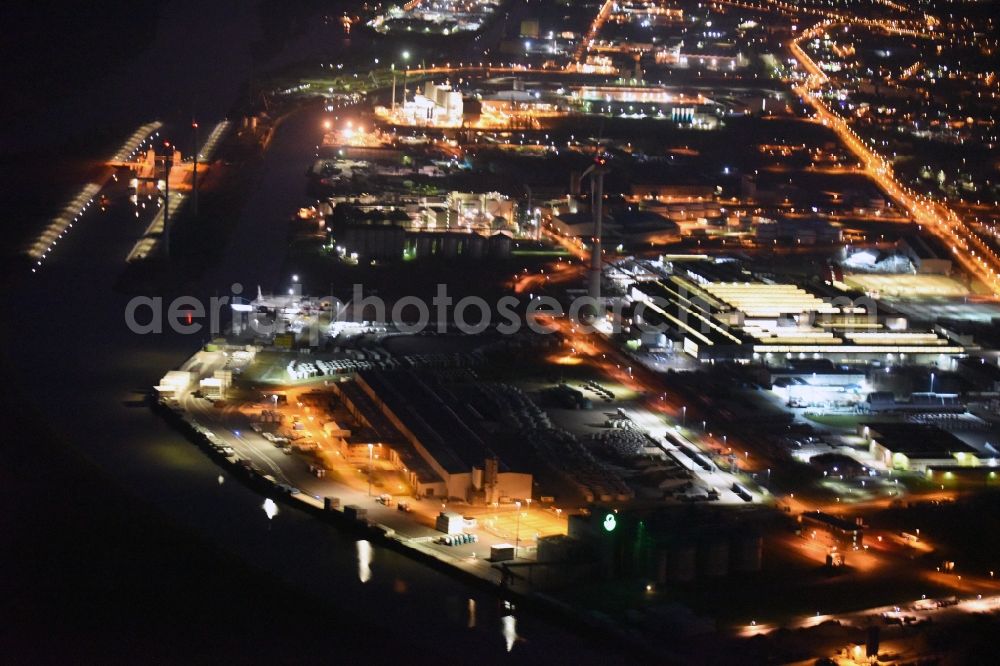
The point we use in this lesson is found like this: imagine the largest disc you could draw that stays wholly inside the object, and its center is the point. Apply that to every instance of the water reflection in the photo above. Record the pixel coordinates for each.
(472, 613)
(364, 560)
(271, 510)
(508, 627)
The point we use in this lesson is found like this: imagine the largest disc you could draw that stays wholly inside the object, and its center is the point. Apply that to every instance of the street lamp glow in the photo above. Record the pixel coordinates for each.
(517, 530)
(371, 460)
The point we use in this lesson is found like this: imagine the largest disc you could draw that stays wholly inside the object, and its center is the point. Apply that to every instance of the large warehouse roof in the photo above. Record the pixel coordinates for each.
(711, 309)
(428, 414)
(916, 440)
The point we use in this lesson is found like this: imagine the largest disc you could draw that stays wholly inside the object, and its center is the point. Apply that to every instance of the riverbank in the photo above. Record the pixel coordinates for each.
(479, 574)
(93, 574)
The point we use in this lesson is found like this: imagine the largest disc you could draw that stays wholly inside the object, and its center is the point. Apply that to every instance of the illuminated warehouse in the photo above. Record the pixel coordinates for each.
(718, 312)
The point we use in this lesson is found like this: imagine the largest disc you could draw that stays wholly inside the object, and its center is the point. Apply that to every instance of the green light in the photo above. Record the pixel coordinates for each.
(610, 523)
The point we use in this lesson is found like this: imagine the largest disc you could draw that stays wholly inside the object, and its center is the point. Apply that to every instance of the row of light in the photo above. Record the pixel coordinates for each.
(60, 226)
(921, 207)
(145, 245)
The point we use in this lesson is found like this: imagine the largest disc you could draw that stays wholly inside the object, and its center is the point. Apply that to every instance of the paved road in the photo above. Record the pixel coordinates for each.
(918, 610)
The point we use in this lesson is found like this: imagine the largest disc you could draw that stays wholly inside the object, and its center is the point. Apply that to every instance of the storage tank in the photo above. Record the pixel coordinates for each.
(474, 246)
(714, 558)
(449, 246)
(500, 245)
(681, 558)
(424, 246)
(660, 565)
(747, 553)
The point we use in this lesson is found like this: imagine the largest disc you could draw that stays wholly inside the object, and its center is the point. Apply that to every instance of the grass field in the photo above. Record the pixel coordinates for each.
(837, 420)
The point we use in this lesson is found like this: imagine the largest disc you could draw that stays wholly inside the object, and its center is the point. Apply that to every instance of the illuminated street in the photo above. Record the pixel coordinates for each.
(635, 331)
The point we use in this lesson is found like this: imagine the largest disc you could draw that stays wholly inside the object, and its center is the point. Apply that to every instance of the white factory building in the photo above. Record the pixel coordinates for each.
(437, 106)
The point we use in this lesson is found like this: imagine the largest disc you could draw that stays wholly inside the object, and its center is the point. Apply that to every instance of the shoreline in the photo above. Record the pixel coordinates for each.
(548, 607)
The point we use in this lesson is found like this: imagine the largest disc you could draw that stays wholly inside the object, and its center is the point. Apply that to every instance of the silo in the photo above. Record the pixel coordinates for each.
(449, 245)
(681, 559)
(660, 565)
(713, 557)
(748, 552)
(500, 245)
(425, 246)
(474, 246)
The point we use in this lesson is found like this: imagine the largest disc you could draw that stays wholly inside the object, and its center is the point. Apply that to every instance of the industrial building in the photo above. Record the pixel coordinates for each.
(445, 17)
(376, 430)
(980, 373)
(662, 546)
(475, 225)
(811, 383)
(428, 419)
(926, 254)
(522, 107)
(717, 311)
(174, 383)
(625, 225)
(917, 448)
(436, 106)
(938, 403)
(392, 242)
(795, 231)
(519, 108)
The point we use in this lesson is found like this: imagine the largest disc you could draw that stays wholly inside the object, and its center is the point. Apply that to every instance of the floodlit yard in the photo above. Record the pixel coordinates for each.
(907, 286)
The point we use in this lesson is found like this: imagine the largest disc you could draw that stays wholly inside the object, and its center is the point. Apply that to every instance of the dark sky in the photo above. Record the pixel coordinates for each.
(90, 67)
(79, 77)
